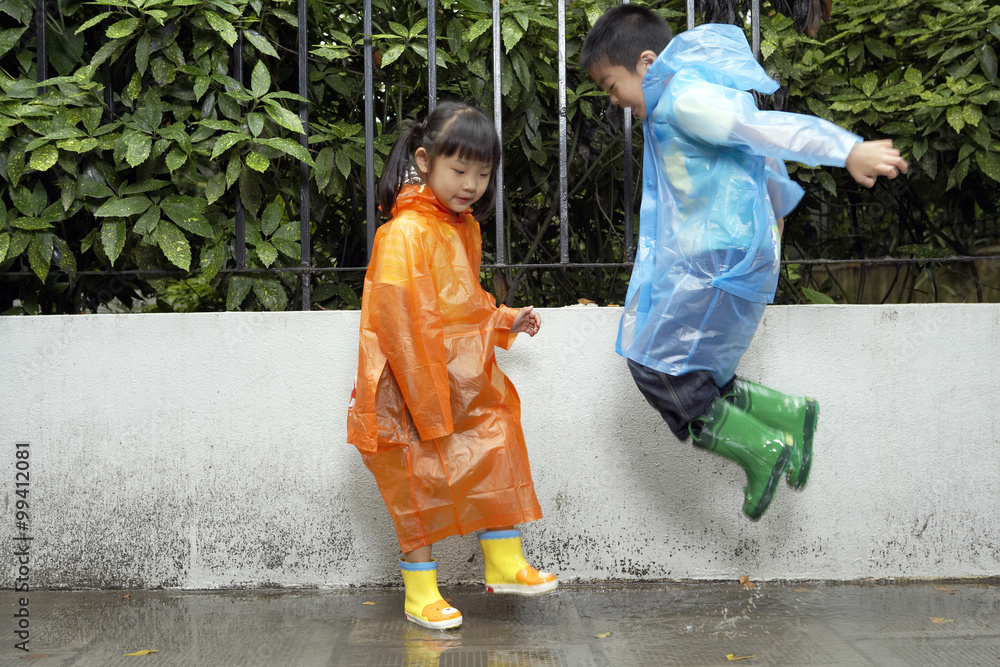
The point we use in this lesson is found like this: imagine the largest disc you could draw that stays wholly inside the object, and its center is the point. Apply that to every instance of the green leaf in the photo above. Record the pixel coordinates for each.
(990, 164)
(8, 40)
(293, 148)
(988, 62)
(233, 170)
(955, 118)
(122, 208)
(4, 245)
(826, 181)
(260, 43)
(77, 145)
(323, 167)
(260, 80)
(123, 28)
(176, 159)
(288, 248)
(511, 32)
(255, 121)
(137, 147)
(147, 222)
(257, 162)
(271, 293)
(212, 259)
(200, 86)
(221, 26)
(267, 254)
(227, 141)
(15, 167)
(174, 245)
(91, 188)
(392, 54)
(92, 22)
(477, 29)
(239, 288)
(271, 217)
(189, 213)
(816, 297)
(284, 117)
(44, 158)
(142, 53)
(40, 254)
(344, 163)
(113, 237)
(215, 187)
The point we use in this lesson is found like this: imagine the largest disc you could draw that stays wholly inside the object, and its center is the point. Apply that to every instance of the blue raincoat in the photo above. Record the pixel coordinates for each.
(713, 181)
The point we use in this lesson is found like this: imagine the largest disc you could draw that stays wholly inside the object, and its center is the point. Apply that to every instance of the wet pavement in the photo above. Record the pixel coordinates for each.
(926, 623)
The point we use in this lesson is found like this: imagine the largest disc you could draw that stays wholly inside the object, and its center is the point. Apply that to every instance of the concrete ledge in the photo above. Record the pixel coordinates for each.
(207, 451)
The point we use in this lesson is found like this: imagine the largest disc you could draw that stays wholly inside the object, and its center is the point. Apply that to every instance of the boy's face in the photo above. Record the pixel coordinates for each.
(624, 87)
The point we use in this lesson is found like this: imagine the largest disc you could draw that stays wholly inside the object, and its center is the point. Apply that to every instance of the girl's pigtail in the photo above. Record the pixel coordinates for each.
(397, 167)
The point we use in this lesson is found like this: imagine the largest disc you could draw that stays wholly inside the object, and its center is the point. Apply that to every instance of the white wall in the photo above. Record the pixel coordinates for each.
(207, 451)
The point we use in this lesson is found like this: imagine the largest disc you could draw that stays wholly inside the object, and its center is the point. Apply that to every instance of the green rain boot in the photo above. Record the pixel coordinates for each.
(796, 414)
(761, 450)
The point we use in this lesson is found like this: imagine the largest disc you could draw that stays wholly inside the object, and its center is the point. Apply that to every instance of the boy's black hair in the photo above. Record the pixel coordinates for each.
(621, 35)
(453, 128)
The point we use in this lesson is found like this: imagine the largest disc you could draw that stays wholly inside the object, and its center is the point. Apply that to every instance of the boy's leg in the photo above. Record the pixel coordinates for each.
(796, 414)
(507, 570)
(693, 403)
(678, 398)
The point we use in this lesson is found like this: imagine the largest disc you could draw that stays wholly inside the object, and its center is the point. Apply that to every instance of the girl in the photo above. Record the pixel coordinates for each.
(435, 420)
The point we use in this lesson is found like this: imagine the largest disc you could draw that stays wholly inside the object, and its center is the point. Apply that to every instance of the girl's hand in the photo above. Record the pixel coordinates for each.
(527, 321)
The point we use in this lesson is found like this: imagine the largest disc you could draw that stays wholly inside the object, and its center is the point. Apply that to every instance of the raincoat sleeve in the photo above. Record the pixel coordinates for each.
(404, 311)
(505, 320)
(726, 117)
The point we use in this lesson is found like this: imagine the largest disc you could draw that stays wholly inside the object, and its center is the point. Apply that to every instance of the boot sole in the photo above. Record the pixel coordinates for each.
(812, 419)
(434, 625)
(522, 589)
(772, 484)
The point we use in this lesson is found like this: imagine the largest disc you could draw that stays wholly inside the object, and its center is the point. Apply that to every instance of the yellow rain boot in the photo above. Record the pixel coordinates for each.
(424, 604)
(506, 569)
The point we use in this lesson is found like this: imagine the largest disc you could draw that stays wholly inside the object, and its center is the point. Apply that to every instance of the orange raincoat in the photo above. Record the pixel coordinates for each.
(436, 421)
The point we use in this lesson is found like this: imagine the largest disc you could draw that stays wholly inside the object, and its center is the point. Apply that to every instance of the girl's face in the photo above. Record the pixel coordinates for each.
(457, 183)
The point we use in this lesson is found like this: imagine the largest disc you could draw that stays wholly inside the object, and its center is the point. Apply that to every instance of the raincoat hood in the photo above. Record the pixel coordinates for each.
(714, 53)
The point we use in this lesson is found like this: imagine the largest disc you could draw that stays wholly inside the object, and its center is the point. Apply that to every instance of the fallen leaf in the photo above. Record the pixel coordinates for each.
(938, 619)
(145, 652)
(585, 302)
(799, 590)
(945, 588)
(612, 305)
(127, 597)
(369, 603)
(603, 635)
(745, 580)
(733, 656)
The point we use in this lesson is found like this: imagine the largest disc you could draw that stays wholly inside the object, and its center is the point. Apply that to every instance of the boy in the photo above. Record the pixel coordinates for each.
(708, 255)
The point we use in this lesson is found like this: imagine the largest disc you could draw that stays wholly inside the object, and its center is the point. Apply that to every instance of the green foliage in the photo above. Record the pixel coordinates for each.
(132, 156)
(925, 75)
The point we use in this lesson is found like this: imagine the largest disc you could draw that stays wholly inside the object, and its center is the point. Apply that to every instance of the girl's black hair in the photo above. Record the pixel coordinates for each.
(453, 128)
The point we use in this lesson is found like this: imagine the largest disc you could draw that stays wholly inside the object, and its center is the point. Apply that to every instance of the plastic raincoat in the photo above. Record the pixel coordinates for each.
(708, 253)
(436, 421)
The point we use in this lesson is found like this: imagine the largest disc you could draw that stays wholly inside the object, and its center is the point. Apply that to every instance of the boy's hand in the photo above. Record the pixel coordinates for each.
(870, 159)
(527, 321)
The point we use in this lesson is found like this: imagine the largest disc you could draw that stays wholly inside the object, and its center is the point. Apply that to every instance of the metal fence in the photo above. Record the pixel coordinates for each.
(306, 270)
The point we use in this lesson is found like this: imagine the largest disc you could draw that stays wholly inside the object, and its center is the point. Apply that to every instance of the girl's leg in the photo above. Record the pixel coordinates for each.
(424, 604)
(507, 571)
(418, 555)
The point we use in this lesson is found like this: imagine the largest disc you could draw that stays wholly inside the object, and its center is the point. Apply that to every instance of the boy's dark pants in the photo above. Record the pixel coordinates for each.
(678, 398)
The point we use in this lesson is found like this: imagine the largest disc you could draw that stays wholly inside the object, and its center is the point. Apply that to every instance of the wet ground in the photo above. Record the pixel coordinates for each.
(930, 623)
